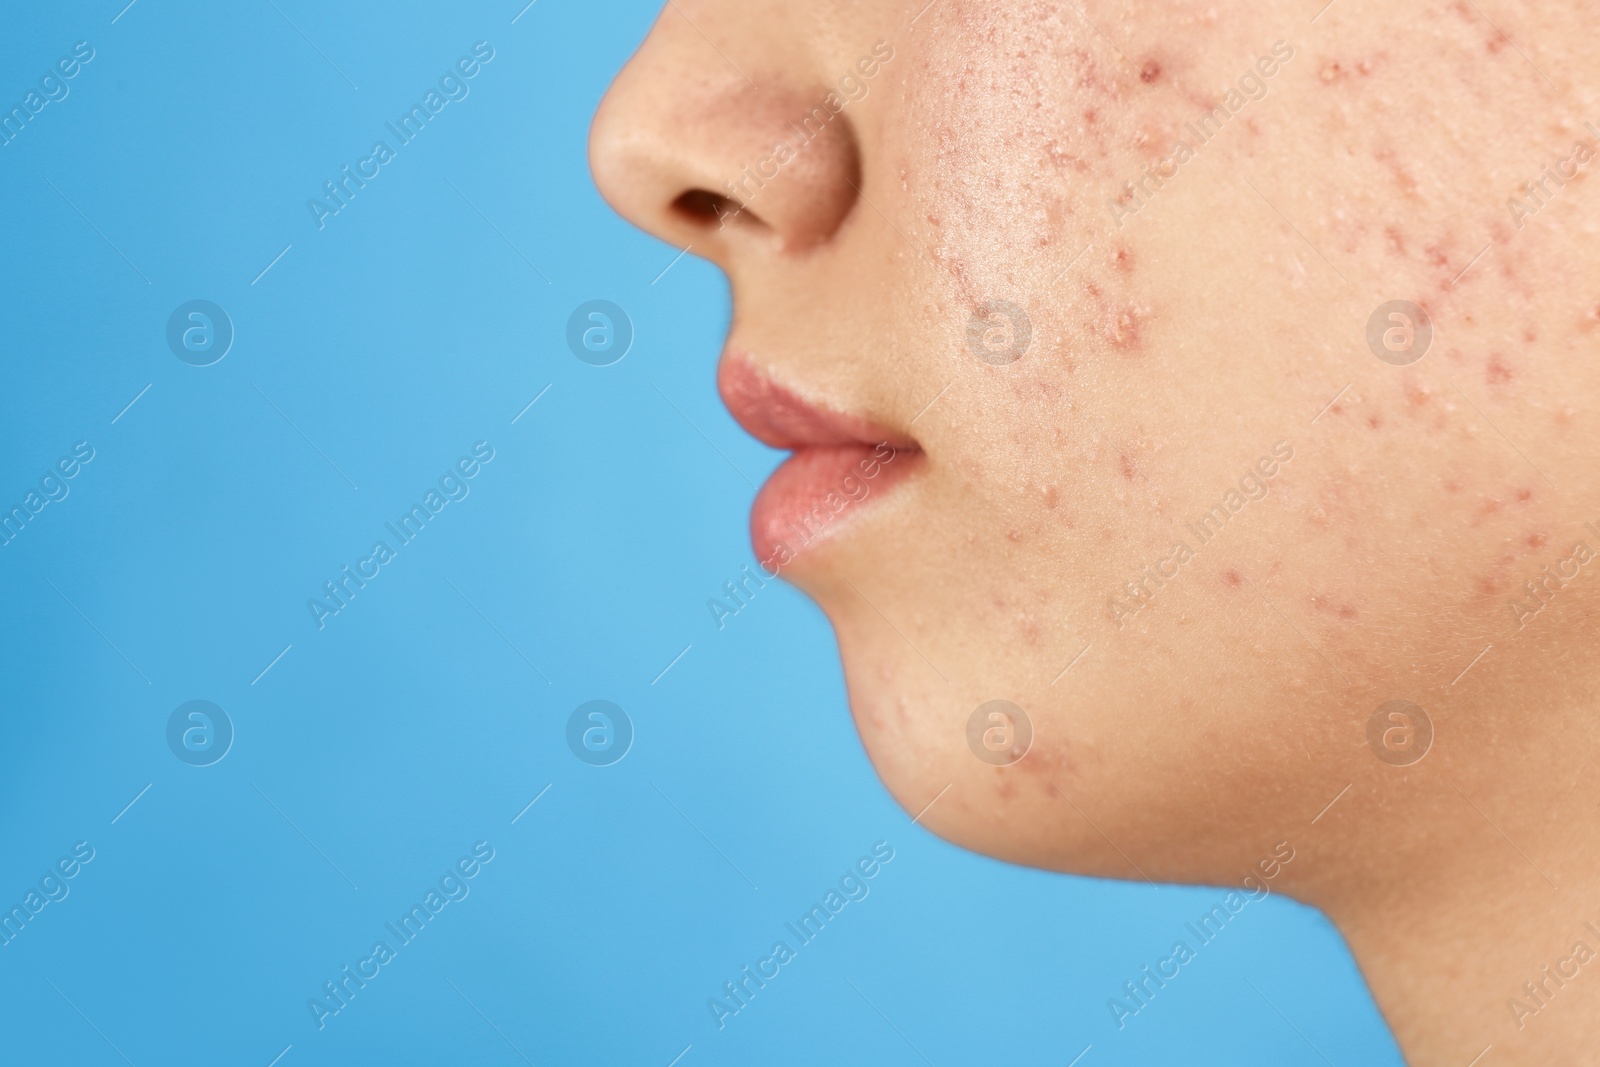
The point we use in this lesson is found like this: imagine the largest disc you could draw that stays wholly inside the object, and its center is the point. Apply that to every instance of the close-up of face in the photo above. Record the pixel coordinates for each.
(1213, 386)
(700, 533)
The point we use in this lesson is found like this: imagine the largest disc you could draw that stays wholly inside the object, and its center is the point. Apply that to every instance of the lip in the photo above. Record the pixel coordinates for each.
(841, 463)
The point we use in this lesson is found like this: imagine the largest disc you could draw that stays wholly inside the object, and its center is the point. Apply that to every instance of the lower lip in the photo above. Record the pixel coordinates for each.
(816, 491)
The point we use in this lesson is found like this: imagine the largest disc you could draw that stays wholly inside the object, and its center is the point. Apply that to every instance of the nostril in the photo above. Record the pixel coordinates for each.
(703, 207)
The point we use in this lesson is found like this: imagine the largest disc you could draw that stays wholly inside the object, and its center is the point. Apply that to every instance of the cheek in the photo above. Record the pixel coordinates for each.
(1023, 124)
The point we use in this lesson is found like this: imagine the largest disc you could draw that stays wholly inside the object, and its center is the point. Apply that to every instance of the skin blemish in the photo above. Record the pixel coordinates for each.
(1059, 157)
(1403, 178)
(1535, 540)
(1232, 579)
(1124, 329)
(1327, 606)
(1524, 495)
(1123, 259)
(1498, 372)
(1150, 73)
(1125, 465)
(1332, 71)
(1375, 422)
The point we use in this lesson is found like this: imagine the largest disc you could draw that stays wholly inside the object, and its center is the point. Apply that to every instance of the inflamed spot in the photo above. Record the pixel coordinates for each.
(1327, 606)
(1498, 371)
(1124, 329)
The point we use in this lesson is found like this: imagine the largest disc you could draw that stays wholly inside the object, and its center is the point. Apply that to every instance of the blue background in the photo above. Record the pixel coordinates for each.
(427, 714)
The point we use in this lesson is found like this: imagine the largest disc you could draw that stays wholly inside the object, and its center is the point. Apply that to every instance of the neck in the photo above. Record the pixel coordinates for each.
(1482, 929)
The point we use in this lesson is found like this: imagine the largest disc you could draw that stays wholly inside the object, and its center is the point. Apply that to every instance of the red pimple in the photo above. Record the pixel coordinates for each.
(1536, 540)
(1524, 495)
(1233, 579)
(1150, 73)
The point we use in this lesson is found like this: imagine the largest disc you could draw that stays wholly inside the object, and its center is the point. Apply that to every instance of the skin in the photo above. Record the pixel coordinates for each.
(1172, 347)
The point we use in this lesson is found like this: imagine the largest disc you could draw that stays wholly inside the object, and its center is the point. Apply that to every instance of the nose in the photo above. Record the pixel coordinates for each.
(718, 134)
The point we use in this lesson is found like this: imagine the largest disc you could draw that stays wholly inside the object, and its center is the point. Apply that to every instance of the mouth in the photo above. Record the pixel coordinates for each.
(840, 463)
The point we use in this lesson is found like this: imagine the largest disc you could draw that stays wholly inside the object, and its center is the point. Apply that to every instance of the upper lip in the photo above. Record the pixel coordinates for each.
(776, 415)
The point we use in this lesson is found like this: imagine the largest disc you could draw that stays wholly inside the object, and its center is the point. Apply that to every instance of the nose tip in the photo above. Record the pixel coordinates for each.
(697, 154)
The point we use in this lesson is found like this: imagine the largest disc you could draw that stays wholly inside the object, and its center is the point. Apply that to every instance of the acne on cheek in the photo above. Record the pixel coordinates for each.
(1445, 247)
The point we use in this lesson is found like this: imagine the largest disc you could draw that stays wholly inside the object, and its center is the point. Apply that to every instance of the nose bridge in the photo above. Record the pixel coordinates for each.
(718, 133)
